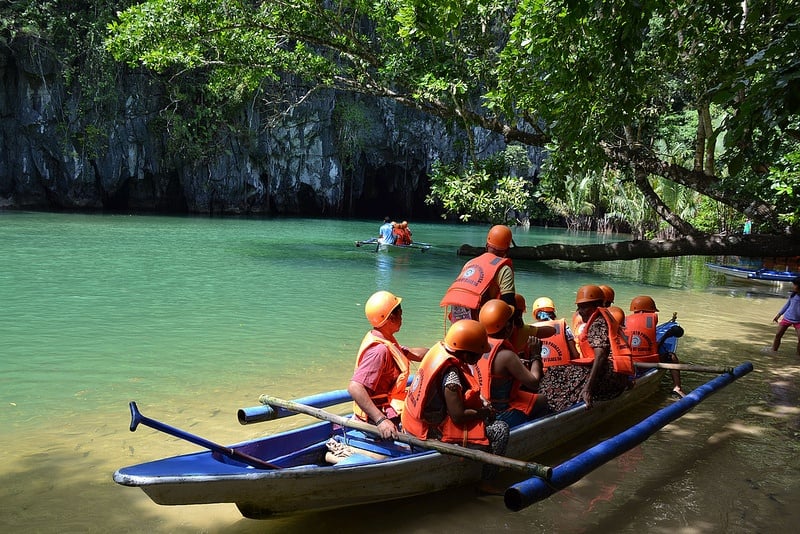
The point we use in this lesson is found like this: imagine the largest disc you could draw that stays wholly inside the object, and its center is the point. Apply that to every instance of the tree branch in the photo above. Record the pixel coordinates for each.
(745, 245)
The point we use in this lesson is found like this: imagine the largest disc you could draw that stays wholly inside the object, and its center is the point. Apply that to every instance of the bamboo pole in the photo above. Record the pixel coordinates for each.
(684, 367)
(535, 469)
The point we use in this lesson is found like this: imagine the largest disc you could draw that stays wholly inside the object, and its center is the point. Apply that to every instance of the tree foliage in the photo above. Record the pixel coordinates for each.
(489, 189)
(604, 85)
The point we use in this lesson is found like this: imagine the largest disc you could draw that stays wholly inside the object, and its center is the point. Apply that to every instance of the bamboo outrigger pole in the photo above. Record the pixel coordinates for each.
(538, 470)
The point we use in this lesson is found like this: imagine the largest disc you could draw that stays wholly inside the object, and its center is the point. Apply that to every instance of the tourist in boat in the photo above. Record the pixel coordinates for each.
(505, 381)
(378, 385)
(640, 329)
(402, 235)
(604, 370)
(608, 295)
(488, 276)
(791, 316)
(386, 232)
(522, 332)
(444, 400)
(559, 348)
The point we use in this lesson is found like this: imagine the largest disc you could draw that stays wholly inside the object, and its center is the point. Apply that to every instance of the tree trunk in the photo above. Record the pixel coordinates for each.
(741, 245)
(658, 205)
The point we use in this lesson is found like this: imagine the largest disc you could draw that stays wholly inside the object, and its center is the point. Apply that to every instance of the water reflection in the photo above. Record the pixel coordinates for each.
(383, 270)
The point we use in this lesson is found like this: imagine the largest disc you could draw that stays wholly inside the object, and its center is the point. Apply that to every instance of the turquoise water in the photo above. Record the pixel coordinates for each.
(196, 317)
(98, 307)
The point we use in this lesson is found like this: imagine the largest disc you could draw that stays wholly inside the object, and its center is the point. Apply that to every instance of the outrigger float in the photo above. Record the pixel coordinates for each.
(384, 247)
(340, 462)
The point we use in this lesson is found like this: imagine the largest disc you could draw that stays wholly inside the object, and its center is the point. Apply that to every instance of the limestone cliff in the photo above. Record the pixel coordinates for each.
(335, 155)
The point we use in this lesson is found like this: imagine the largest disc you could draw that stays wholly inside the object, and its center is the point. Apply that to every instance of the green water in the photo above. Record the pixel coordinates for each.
(196, 317)
(101, 308)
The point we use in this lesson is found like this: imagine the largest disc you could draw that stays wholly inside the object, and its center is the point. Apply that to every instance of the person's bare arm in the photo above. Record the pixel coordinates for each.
(600, 356)
(415, 354)
(511, 364)
(361, 397)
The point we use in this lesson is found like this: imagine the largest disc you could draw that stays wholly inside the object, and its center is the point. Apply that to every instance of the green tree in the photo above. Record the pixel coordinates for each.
(595, 83)
(486, 190)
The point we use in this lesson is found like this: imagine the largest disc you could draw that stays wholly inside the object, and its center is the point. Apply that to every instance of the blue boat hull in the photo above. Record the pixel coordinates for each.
(377, 471)
(765, 275)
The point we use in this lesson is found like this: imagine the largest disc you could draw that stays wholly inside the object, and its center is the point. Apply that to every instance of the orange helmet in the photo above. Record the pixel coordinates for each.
(468, 335)
(519, 303)
(608, 293)
(499, 237)
(543, 304)
(494, 315)
(380, 306)
(643, 303)
(589, 293)
(618, 314)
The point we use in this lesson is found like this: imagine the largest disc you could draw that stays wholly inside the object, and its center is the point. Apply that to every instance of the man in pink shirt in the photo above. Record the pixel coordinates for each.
(378, 385)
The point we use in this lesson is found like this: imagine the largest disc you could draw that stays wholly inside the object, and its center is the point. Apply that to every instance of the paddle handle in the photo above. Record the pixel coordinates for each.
(683, 367)
(137, 418)
(531, 468)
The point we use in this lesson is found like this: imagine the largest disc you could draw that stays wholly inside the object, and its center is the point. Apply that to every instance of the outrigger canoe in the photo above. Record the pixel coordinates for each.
(378, 246)
(758, 275)
(299, 470)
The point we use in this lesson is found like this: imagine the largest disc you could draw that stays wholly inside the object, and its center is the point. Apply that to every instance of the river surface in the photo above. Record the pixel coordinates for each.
(194, 318)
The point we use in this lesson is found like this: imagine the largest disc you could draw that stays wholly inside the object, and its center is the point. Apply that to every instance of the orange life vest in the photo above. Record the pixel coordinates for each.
(517, 399)
(402, 236)
(577, 327)
(640, 329)
(426, 382)
(620, 351)
(476, 284)
(397, 395)
(555, 349)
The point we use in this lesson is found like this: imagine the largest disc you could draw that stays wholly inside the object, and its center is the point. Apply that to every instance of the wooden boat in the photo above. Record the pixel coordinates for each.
(377, 246)
(764, 275)
(306, 481)
(291, 471)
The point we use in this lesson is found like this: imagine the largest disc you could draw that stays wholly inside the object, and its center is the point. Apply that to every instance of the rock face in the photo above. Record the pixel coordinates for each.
(337, 155)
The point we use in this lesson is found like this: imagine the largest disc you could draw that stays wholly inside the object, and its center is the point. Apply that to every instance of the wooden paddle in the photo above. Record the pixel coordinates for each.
(683, 367)
(137, 418)
(535, 469)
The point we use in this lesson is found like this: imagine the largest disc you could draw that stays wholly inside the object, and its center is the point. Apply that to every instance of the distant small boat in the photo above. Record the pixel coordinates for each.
(385, 247)
(760, 275)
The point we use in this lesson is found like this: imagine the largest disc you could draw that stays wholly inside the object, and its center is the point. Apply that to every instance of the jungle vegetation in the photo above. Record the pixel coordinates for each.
(673, 119)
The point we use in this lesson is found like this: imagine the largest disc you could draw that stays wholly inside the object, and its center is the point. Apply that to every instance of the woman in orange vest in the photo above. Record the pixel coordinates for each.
(559, 348)
(378, 385)
(444, 400)
(502, 373)
(595, 376)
